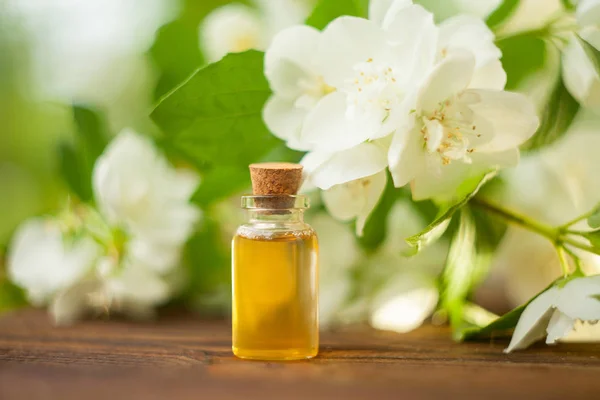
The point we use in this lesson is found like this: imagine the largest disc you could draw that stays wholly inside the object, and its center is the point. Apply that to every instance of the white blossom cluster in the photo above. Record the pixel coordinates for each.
(398, 92)
(122, 257)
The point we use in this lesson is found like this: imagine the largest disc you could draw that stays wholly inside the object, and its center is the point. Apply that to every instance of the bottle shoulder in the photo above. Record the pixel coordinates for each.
(273, 231)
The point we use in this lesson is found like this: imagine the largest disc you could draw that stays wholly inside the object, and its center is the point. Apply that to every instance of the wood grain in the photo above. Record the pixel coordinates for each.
(183, 357)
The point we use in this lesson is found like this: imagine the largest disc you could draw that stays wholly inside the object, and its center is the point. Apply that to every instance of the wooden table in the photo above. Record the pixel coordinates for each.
(184, 357)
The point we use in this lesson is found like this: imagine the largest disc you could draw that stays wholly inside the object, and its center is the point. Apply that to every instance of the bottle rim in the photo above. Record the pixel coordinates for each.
(275, 202)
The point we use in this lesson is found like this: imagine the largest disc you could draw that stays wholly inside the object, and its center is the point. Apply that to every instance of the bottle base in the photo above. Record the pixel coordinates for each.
(274, 355)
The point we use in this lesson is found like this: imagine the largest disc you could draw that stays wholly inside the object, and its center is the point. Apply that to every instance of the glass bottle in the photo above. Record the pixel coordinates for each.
(274, 274)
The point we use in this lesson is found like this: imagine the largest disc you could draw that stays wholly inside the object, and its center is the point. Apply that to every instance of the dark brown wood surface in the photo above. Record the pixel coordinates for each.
(181, 356)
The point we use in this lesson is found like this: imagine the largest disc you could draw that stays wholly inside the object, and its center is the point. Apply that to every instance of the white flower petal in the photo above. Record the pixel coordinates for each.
(379, 8)
(327, 128)
(137, 284)
(435, 136)
(531, 325)
(42, 264)
(296, 44)
(429, 184)
(346, 42)
(580, 75)
(358, 162)
(285, 120)
(138, 190)
(577, 299)
(157, 256)
(229, 29)
(413, 33)
(289, 59)
(451, 76)
(511, 117)
(406, 311)
(469, 33)
(560, 325)
(405, 156)
(588, 12)
(355, 199)
(489, 76)
(279, 15)
(285, 80)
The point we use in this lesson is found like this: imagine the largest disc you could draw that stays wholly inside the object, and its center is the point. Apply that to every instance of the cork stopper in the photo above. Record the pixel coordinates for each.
(276, 179)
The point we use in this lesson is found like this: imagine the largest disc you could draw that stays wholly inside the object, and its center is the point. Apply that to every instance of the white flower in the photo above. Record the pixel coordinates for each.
(294, 76)
(133, 291)
(122, 259)
(404, 303)
(230, 29)
(353, 180)
(355, 200)
(342, 91)
(472, 34)
(429, 44)
(580, 75)
(588, 13)
(372, 77)
(236, 27)
(554, 312)
(456, 132)
(138, 191)
(42, 263)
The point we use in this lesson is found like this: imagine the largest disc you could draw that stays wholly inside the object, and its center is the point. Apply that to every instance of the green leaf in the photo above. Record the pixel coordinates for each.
(375, 229)
(594, 219)
(502, 325)
(592, 53)
(470, 257)
(502, 13)
(594, 238)
(436, 229)
(490, 232)
(176, 53)
(215, 117)
(523, 56)
(458, 274)
(77, 159)
(328, 10)
(557, 117)
(221, 183)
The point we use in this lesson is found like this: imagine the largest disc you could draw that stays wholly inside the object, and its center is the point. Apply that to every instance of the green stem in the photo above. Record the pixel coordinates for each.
(576, 260)
(538, 32)
(556, 235)
(579, 218)
(564, 262)
(579, 245)
(517, 219)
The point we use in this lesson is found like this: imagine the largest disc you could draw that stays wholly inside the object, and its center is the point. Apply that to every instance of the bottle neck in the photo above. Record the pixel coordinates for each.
(288, 216)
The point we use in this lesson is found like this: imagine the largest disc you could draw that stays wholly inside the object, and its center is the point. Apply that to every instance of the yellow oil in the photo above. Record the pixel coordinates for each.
(275, 311)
